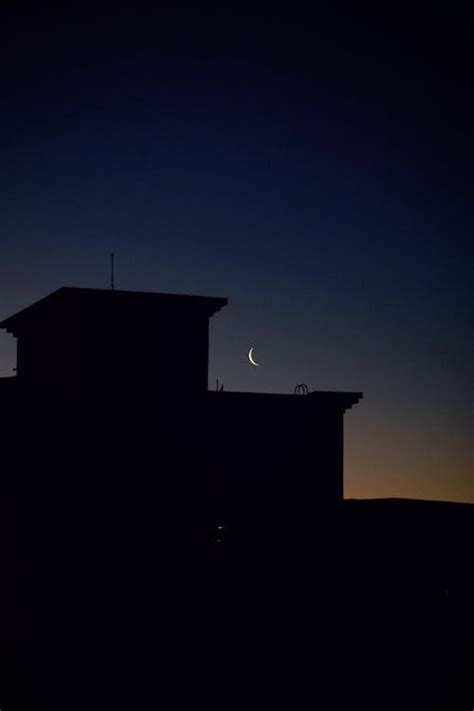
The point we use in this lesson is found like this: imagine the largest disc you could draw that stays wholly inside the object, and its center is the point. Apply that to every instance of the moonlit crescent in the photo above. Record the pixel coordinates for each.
(251, 358)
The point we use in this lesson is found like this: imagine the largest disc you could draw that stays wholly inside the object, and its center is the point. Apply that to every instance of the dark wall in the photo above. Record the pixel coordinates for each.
(173, 352)
(275, 458)
(117, 576)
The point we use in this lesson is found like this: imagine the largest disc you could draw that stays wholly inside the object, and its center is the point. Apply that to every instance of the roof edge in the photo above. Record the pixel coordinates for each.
(213, 303)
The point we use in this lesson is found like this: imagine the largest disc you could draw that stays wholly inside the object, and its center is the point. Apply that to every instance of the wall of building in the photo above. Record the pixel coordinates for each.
(171, 352)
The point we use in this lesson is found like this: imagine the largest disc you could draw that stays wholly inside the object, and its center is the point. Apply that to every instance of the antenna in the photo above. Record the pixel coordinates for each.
(112, 271)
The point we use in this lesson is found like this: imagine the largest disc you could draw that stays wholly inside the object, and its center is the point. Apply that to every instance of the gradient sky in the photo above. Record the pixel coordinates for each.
(314, 169)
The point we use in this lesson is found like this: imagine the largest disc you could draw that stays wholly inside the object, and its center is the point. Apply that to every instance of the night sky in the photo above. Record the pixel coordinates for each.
(313, 168)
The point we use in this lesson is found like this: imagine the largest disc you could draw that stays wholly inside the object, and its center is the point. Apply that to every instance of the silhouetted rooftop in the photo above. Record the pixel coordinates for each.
(85, 302)
(326, 398)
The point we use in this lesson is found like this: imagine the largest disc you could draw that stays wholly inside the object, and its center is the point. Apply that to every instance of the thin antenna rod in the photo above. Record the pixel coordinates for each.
(112, 271)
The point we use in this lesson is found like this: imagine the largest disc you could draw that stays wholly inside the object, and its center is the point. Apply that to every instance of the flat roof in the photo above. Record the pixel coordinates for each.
(86, 301)
(339, 399)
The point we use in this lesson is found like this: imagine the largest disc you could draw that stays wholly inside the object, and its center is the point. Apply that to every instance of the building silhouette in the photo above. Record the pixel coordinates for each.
(112, 350)
(163, 540)
(99, 334)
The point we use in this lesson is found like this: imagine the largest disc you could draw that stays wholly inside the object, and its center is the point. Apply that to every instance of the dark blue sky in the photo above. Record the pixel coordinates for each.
(313, 168)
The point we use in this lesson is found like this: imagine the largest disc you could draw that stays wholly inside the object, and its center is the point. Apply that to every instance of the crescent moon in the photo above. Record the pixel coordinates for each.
(251, 358)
